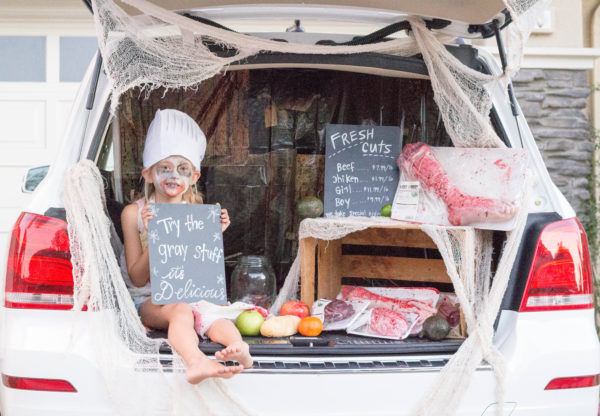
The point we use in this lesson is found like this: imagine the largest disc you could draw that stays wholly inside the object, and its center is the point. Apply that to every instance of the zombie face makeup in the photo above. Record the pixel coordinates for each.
(173, 175)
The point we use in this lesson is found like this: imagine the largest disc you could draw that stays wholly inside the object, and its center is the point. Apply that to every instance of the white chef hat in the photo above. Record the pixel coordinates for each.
(173, 133)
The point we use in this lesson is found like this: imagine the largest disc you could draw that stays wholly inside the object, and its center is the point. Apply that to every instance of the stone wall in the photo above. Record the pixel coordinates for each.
(554, 103)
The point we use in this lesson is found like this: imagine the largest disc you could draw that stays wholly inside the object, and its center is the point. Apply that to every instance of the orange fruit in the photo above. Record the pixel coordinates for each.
(310, 326)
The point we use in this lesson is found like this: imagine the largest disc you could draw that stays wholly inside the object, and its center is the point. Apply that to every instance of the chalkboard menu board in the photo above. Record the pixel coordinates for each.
(185, 244)
(361, 174)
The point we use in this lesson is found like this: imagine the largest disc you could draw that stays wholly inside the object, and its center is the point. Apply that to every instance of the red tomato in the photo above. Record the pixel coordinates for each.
(295, 307)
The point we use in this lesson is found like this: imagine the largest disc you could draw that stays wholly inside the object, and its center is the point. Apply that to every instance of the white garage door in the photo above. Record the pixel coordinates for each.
(42, 65)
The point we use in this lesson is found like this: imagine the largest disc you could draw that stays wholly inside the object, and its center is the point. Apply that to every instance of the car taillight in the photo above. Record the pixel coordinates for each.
(39, 384)
(561, 272)
(39, 270)
(573, 382)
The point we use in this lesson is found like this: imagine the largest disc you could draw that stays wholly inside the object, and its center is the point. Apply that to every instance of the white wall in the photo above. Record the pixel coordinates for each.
(33, 114)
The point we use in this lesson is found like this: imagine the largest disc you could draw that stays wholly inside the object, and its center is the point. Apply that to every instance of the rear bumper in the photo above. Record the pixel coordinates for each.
(538, 347)
(24, 403)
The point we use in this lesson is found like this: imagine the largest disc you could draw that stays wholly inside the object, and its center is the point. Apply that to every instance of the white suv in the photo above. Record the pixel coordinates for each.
(545, 329)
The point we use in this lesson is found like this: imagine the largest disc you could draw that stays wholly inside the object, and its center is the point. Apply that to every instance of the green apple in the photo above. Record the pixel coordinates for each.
(249, 323)
(386, 210)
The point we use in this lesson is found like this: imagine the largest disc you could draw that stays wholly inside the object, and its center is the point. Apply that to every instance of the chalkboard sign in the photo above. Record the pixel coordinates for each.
(361, 174)
(185, 244)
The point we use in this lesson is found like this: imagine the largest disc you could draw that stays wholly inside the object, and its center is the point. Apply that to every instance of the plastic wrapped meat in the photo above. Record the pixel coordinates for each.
(428, 295)
(338, 310)
(421, 309)
(338, 315)
(388, 323)
(418, 160)
(478, 187)
(449, 308)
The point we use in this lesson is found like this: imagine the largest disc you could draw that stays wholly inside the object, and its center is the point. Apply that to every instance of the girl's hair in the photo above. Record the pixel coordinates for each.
(191, 196)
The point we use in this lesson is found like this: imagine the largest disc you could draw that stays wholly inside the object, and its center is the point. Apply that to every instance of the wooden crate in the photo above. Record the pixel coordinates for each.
(331, 265)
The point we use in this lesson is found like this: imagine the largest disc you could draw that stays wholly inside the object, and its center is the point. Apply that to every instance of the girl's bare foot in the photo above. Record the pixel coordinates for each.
(238, 351)
(203, 368)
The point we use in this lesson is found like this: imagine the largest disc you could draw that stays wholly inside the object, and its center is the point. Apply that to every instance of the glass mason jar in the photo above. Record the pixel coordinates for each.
(253, 281)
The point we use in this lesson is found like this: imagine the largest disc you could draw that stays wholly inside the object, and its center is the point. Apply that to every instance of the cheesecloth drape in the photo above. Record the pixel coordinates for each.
(172, 54)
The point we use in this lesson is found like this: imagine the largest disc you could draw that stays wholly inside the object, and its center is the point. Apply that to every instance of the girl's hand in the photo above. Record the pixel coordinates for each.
(224, 218)
(146, 216)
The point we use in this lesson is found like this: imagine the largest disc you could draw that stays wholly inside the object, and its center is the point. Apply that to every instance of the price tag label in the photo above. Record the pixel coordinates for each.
(406, 201)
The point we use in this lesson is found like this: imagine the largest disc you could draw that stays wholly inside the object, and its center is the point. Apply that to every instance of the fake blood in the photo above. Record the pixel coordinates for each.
(173, 191)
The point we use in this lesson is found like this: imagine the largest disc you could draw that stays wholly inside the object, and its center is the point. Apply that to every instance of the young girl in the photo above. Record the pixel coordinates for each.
(173, 151)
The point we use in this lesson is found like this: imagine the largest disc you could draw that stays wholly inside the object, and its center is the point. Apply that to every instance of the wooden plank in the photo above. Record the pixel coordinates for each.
(307, 270)
(398, 225)
(396, 237)
(462, 326)
(329, 267)
(397, 268)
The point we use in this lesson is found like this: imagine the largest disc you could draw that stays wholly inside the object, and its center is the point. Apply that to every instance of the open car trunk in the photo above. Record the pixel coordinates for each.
(472, 11)
(465, 18)
(266, 151)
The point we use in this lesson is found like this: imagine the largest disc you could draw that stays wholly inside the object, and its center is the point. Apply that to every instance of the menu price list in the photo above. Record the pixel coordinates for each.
(361, 175)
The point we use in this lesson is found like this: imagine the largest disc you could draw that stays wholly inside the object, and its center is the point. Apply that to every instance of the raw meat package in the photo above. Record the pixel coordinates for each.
(419, 301)
(384, 323)
(449, 308)
(338, 314)
(460, 186)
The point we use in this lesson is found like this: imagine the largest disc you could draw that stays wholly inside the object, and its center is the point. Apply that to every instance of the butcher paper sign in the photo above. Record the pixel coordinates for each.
(185, 244)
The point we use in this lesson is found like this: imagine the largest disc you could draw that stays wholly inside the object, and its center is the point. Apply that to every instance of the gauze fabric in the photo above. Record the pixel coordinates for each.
(172, 133)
